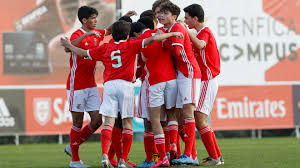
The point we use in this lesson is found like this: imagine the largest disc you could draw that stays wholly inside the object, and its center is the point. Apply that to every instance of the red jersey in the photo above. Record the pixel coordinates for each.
(140, 71)
(82, 71)
(119, 59)
(159, 65)
(185, 60)
(208, 58)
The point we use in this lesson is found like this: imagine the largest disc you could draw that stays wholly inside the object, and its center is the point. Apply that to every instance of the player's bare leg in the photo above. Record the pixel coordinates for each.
(207, 138)
(106, 134)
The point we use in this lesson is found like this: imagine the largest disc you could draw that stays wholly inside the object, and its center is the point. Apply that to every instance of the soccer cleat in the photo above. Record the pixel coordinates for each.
(162, 163)
(78, 164)
(68, 150)
(155, 158)
(209, 162)
(221, 160)
(195, 162)
(168, 155)
(106, 162)
(183, 159)
(173, 152)
(123, 164)
(131, 164)
(113, 162)
(145, 164)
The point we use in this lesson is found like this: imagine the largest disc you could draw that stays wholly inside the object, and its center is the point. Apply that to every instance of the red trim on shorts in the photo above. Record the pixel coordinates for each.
(203, 95)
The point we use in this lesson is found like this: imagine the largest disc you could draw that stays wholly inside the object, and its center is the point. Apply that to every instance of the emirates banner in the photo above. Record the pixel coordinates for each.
(253, 107)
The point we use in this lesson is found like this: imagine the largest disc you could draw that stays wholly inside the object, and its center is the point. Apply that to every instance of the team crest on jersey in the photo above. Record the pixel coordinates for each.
(42, 107)
(86, 44)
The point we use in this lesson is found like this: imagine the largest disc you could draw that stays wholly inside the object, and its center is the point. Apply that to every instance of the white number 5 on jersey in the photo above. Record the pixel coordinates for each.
(116, 55)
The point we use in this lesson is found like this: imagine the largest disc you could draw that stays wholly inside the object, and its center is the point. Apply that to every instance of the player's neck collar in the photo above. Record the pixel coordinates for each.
(120, 41)
(201, 29)
(171, 27)
(82, 30)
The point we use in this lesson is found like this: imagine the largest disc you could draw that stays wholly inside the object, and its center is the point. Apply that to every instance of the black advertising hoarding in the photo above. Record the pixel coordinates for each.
(12, 112)
(296, 104)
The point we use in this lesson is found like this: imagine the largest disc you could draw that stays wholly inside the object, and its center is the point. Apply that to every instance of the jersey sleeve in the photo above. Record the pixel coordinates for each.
(174, 40)
(137, 45)
(204, 36)
(74, 36)
(97, 53)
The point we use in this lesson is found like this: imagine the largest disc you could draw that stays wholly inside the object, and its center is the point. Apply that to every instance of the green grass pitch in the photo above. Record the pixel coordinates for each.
(238, 153)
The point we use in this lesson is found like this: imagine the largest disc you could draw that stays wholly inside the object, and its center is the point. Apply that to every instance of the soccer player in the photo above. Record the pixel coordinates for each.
(188, 75)
(208, 58)
(116, 143)
(82, 91)
(119, 59)
(161, 85)
(143, 112)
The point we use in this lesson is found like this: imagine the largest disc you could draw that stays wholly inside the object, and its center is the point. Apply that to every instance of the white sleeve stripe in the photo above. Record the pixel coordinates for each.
(177, 44)
(143, 44)
(88, 53)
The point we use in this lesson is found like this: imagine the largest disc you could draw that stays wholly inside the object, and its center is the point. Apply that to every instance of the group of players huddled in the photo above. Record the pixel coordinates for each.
(178, 70)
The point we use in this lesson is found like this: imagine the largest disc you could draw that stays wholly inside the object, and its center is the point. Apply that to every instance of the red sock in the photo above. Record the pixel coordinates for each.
(106, 134)
(86, 132)
(181, 131)
(115, 143)
(149, 145)
(215, 142)
(118, 145)
(167, 139)
(160, 144)
(111, 151)
(74, 142)
(194, 150)
(178, 145)
(127, 141)
(173, 131)
(207, 139)
(155, 148)
(189, 135)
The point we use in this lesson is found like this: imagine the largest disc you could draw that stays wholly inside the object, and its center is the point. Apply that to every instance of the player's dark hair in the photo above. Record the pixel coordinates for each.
(195, 10)
(120, 30)
(157, 4)
(147, 21)
(136, 27)
(126, 19)
(86, 12)
(169, 6)
(147, 13)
